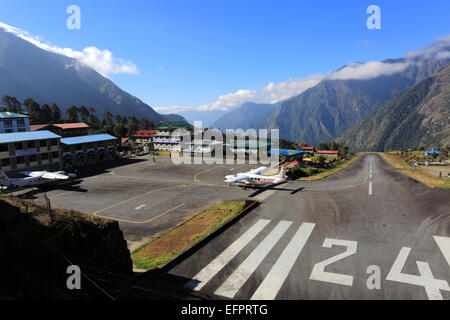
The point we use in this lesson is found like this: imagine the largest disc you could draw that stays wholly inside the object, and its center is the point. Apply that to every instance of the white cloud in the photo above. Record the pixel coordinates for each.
(275, 92)
(102, 61)
(367, 70)
(439, 49)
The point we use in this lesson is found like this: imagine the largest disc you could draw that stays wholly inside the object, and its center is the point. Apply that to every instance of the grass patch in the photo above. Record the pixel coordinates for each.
(318, 174)
(177, 240)
(399, 162)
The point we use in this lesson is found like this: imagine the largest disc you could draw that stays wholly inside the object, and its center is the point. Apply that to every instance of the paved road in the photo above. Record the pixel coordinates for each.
(318, 242)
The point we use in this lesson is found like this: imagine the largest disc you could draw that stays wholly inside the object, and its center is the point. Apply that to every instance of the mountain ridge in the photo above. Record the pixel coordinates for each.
(418, 116)
(27, 71)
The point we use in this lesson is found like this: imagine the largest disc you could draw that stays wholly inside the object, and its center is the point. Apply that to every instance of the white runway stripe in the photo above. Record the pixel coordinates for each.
(272, 283)
(232, 285)
(370, 187)
(444, 245)
(226, 256)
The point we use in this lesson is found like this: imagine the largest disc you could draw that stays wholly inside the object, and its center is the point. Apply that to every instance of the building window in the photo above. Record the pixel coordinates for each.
(21, 130)
(3, 147)
(8, 131)
(8, 123)
(79, 147)
(19, 145)
(20, 160)
(31, 145)
(20, 122)
(66, 148)
(33, 158)
(54, 142)
(6, 162)
(55, 155)
(43, 143)
(44, 156)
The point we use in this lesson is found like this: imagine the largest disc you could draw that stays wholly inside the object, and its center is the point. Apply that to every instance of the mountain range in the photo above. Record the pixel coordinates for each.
(243, 117)
(27, 71)
(418, 116)
(325, 111)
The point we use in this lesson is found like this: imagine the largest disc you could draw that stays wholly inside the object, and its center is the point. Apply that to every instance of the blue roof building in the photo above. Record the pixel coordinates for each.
(25, 150)
(27, 136)
(88, 150)
(87, 139)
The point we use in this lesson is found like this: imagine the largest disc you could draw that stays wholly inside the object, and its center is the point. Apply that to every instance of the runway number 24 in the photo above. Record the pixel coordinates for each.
(425, 279)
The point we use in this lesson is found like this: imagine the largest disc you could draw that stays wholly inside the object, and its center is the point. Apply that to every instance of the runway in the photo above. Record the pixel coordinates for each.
(367, 232)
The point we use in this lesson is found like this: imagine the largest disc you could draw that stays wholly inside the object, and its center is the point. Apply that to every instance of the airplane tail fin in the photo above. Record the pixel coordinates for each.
(282, 173)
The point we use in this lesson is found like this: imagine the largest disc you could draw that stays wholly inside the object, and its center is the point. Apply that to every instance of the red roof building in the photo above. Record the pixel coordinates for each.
(144, 133)
(290, 165)
(327, 153)
(64, 129)
(143, 136)
(307, 148)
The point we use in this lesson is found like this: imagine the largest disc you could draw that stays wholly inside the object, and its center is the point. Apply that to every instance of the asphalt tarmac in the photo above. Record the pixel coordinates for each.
(367, 232)
(145, 197)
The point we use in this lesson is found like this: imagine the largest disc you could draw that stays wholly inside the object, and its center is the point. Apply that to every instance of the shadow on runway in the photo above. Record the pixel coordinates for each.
(70, 186)
(274, 187)
(159, 284)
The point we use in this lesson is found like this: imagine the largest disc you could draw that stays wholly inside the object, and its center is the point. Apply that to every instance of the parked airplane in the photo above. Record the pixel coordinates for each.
(254, 178)
(35, 178)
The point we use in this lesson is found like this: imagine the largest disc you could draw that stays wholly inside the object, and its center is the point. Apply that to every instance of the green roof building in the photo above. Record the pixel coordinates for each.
(174, 125)
(13, 122)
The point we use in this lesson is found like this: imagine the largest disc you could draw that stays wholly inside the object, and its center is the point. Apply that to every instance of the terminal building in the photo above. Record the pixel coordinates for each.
(13, 122)
(88, 150)
(30, 150)
(142, 138)
(164, 139)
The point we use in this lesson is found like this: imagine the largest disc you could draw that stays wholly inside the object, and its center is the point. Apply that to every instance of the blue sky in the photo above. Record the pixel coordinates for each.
(188, 53)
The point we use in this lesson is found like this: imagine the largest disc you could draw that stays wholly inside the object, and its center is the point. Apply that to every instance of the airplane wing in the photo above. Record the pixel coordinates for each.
(257, 170)
(54, 176)
(33, 174)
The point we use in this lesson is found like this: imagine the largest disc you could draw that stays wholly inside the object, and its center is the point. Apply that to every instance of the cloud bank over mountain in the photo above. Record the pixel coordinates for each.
(100, 60)
(276, 92)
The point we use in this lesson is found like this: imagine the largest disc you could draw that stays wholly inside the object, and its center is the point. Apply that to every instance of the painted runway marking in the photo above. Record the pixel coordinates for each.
(425, 279)
(271, 285)
(146, 221)
(140, 207)
(444, 244)
(319, 273)
(206, 274)
(232, 285)
(264, 195)
(370, 187)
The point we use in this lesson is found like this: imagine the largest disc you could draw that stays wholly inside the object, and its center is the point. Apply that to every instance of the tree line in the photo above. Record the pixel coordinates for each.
(117, 125)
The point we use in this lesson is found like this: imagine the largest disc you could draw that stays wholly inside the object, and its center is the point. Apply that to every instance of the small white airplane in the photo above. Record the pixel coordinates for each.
(35, 178)
(254, 178)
